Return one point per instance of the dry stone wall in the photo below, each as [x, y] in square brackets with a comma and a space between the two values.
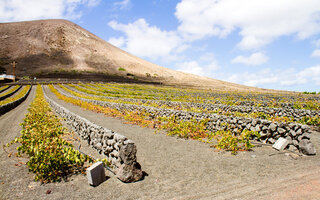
[262, 99]
[9, 106]
[297, 134]
[297, 114]
[119, 150]
[4, 89]
[10, 94]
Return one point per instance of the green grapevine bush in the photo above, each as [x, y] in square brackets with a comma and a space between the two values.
[50, 157]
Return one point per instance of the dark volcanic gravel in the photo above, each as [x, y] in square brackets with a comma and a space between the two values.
[176, 168]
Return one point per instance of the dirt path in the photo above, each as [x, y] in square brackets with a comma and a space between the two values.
[11, 176]
[178, 169]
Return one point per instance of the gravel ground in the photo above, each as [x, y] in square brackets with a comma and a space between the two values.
[176, 168]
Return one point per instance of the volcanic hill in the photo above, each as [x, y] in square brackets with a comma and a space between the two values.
[56, 46]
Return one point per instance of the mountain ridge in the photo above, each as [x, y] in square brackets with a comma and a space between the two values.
[43, 46]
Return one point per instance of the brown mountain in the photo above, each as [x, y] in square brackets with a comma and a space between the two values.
[58, 45]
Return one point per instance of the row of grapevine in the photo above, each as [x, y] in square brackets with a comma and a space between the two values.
[253, 99]
[119, 150]
[186, 123]
[12, 102]
[4, 88]
[50, 156]
[310, 117]
[10, 92]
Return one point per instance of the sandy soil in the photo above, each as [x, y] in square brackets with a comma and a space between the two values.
[176, 168]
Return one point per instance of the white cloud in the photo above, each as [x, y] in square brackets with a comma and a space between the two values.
[317, 43]
[22, 10]
[206, 68]
[311, 72]
[290, 77]
[253, 60]
[258, 22]
[118, 42]
[316, 53]
[212, 66]
[92, 3]
[182, 48]
[285, 77]
[148, 41]
[259, 78]
[124, 4]
[191, 67]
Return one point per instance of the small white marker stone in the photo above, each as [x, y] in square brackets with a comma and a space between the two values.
[280, 144]
[96, 174]
[253, 156]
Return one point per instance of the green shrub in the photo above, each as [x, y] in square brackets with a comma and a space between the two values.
[309, 92]
[314, 121]
[233, 142]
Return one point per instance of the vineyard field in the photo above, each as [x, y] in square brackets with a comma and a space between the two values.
[204, 115]
[212, 130]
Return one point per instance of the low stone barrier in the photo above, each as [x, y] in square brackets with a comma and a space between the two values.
[297, 114]
[262, 99]
[119, 150]
[4, 89]
[9, 106]
[10, 94]
[297, 134]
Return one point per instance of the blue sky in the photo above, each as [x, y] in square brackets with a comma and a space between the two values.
[265, 43]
